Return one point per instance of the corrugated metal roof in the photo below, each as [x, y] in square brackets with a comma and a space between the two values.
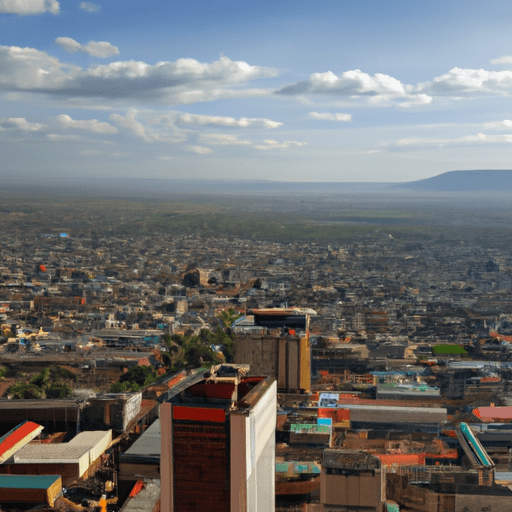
[27, 481]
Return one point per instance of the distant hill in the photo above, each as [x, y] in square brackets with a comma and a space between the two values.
[462, 181]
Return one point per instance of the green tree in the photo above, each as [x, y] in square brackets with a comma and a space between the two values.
[140, 375]
[228, 317]
[220, 337]
[193, 351]
[58, 391]
[136, 378]
[24, 390]
[42, 379]
[124, 387]
[50, 382]
[226, 335]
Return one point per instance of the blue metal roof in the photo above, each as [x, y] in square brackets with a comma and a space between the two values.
[27, 481]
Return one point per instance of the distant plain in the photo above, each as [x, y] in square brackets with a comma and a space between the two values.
[258, 210]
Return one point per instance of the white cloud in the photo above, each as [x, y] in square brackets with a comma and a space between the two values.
[184, 118]
[200, 150]
[131, 124]
[162, 128]
[181, 82]
[383, 89]
[498, 125]
[243, 122]
[68, 44]
[20, 124]
[349, 83]
[92, 125]
[416, 100]
[28, 7]
[222, 139]
[506, 59]
[187, 80]
[101, 49]
[274, 144]
[27, 69]
[89, 7]
[460, 81]
[478, 139]
[357, 86]
[328, 116]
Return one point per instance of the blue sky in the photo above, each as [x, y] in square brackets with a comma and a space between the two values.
[289, 91]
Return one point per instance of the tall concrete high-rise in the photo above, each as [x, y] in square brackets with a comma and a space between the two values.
[275, 342]
[218, 444]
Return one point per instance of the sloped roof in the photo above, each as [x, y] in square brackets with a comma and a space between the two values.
[17, 438]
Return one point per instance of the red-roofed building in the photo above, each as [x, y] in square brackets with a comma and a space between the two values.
[17, 438]
[494, 414]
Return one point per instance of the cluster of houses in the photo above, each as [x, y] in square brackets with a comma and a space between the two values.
[401, 336]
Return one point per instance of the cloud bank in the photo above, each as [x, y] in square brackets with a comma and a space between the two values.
[183, 81]
[188, 81]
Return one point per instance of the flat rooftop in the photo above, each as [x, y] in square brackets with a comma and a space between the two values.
[27, 481]
[349, 459]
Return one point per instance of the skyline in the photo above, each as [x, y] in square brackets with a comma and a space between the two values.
[335, 91]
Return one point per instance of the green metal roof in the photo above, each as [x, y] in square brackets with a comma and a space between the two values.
[27, 481]
[448, 349]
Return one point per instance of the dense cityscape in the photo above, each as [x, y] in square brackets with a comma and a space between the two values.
[374, 370]
[255, 256]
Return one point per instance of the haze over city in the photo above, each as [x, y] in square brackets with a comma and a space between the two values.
[287, 91]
